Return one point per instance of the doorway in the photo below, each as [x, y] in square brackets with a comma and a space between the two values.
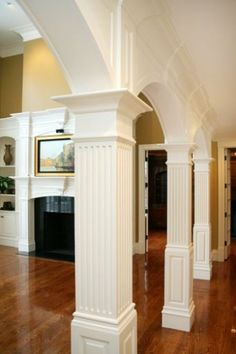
[233, 192]
[227, 198]
[157, 191]
[152, 191]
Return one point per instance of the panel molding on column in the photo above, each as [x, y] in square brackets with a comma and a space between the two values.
[202, 226]
[178, 310]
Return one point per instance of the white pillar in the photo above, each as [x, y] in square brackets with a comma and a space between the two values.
[105, 318]
[26, 241]
[178, 310]
[202, 227]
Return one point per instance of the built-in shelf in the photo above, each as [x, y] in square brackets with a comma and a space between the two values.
[4, 211]
[6, 195]
[7, 166]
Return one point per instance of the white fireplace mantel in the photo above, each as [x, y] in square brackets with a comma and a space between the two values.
[28, 186]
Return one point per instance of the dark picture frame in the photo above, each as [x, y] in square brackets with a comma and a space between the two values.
[54, 155]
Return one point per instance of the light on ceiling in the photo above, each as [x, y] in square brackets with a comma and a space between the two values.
[10, 4]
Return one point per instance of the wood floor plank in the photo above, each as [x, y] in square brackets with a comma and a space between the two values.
[37, 302]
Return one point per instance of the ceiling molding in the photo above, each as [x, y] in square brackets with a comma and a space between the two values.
[11, 51]
[27, 32]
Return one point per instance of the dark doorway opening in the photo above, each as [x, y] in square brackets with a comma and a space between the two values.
[157, 192]
[233, 191]
[54, 227]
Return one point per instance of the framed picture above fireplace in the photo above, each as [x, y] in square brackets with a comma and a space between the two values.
[54, 155]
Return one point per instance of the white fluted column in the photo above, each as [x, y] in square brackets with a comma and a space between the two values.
[105, 318]
[202, 227]
[178, 310]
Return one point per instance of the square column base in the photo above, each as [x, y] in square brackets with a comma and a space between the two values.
[91, 335]
[202, 266]
[202, 273]
[25, 247]
[181, 320]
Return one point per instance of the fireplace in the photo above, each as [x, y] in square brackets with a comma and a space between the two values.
[54, 227]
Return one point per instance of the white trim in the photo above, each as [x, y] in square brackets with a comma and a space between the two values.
[27, 32]
[139, 248]
[6, 241]
[11, 51]
[203, 273]
[25, 247]
[178, 319]
[141, 183]
[221, 190]
[215, 255]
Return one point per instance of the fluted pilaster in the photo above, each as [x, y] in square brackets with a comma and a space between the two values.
[202, 226]
[178, 311]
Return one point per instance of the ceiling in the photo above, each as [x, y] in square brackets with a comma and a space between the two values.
[11, 17]
[207, 28]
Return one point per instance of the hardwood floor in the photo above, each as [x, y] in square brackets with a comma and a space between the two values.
[215, 301]
[36, 303]
[37, 300]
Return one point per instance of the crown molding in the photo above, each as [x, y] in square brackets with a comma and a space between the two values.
[11, 51]
[27, 32]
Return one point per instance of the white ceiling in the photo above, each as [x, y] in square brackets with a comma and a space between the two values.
[11, 16]
[208, 30]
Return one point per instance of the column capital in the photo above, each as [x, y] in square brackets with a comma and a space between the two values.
[100, 101]
[179, 153]
[104, 114]
[202, 164]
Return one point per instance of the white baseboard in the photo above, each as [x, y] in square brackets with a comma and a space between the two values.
[26, 247]
[203, 273]
[6, 241]
[139, 248]
[178, 319]
[217, 255]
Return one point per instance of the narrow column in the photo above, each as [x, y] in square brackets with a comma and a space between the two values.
[105, 318]
[24, 207]
[202, 227]
[178, 311]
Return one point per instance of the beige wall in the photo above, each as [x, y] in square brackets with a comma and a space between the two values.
[214, 196]
[148, 128]
[42, 77]
[147, 131]
[11, 85]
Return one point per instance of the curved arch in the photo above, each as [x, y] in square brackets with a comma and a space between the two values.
[170, 111]
[147, 80]
[73, 45]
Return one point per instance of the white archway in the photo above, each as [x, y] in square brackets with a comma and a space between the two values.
[72, 43]
[170, 111]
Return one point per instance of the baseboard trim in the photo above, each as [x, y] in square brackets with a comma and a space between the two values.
[214, 255]
[139, 248]
[179, 319]
[218, 255]
[203, 273]
[26, 247]
[5, 241]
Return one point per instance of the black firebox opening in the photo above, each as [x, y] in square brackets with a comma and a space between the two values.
[54, 227]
